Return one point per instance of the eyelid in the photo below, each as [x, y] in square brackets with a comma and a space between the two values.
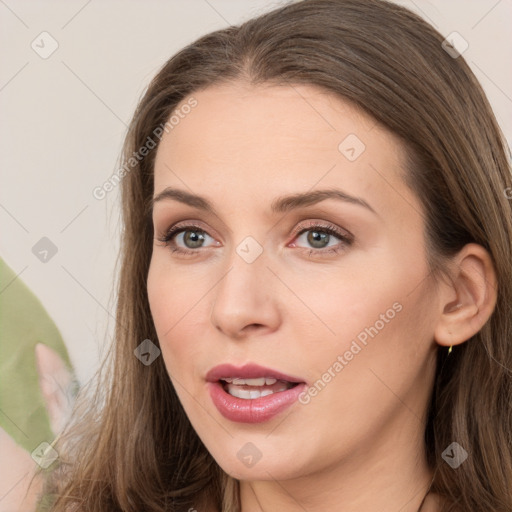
[312, 223]
[183, 225]
[317, 223]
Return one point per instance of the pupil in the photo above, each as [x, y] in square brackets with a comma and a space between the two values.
[194, 238]
[315, 237]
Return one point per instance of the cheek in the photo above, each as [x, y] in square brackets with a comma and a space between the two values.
[340, 302]
[377, 315]
[382, 338]
[361, 325]
[173, 293]
[177, 302]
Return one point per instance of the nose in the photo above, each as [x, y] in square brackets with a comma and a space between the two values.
[245, 300]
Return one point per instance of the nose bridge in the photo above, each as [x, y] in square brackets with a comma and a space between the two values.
[245, 295]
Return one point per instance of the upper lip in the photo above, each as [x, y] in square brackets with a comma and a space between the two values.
[247, 371]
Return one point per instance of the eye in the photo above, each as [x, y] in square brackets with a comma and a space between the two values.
[323, 238]
[185, 239]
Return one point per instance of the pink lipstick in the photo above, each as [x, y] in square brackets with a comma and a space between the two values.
[252, 393]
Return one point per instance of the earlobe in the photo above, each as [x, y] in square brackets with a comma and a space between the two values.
[469, 300]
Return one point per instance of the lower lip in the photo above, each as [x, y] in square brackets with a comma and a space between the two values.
[255, 410]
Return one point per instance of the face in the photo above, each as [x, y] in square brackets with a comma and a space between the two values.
[328, 291]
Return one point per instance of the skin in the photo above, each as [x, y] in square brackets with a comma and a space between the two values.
[18, 490]
[20, 484]
[358, 444]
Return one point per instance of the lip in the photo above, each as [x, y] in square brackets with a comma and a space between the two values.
[256, 410]
[247, 371]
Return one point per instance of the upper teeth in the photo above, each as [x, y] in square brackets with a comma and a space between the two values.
[260, 381]
[252, 393]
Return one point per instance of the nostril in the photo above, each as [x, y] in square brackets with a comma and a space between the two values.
[252, 327]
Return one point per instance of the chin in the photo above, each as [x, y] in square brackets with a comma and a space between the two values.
[268, 462]
[260, 472]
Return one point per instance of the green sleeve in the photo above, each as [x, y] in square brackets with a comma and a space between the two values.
[23, 323]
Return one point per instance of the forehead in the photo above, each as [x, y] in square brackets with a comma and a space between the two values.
[251, 139]
[241, 115]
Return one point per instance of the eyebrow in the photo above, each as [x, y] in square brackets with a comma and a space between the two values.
[281, 204]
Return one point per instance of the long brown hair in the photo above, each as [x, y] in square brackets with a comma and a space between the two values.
[130, 446]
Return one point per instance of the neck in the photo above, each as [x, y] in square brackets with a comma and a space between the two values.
[388, 474]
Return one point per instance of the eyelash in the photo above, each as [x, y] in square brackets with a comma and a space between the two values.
[330, 229]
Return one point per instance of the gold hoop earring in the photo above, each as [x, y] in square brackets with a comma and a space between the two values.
[450, 349]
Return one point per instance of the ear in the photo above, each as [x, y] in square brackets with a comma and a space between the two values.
[55, 382]
[469, 299]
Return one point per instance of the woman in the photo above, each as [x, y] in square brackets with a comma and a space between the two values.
[314, 298]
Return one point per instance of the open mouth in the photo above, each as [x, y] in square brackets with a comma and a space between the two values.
[249, 389]
[252, 393]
